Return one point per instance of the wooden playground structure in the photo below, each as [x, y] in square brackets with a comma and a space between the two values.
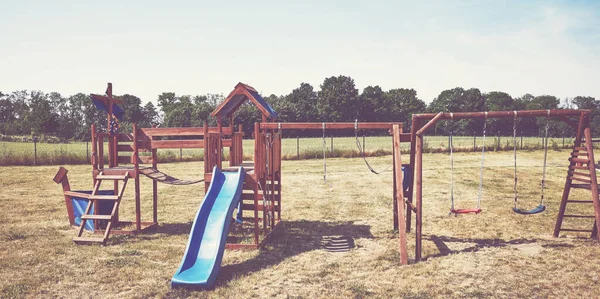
[261, 197]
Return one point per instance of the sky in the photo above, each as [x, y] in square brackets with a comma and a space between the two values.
[195, 47]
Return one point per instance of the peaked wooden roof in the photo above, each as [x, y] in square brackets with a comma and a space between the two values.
[240, 94]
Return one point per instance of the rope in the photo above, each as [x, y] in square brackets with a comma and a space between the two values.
[545, 157]
[324, 157]
[362, 153]
[451, 146]
[482, 162]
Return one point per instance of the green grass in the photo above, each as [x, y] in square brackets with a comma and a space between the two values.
[494, 254]
[22, 153]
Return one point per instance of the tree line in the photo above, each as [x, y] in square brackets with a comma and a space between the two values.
[337, 100]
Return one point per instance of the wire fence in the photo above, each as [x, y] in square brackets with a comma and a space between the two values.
[36, 153]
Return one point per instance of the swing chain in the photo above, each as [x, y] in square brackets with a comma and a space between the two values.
[543, 183]
[515, 157]
[324, 156]
[482, 163]
[362, 153]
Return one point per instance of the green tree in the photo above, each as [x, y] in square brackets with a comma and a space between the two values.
[338, 99]
[500, 101]
[459, 100]
[400, 104]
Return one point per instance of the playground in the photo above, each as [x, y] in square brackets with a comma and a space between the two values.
[311, 228]
[495, 253]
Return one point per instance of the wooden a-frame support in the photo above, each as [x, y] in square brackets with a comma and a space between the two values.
[419, 128]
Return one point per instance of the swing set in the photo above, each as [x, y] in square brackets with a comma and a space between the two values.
[581, 171]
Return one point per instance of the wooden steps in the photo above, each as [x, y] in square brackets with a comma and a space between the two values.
[93, 200]
[582, 169]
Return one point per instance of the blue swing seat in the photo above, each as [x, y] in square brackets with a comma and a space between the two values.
[535, 210]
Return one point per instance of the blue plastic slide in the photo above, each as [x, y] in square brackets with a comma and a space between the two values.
[202, 258]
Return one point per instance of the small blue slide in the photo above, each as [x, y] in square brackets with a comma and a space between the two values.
[202, 258]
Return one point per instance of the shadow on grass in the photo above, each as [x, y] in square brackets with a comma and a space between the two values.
[174, 228]
[290, 239]
[440, 243]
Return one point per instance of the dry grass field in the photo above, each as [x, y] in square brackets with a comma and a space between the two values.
[494, 254]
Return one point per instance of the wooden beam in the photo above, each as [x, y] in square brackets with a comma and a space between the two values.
[399, 196]
[329, 125]
[507, 114]
[430, 123]
[165, 144]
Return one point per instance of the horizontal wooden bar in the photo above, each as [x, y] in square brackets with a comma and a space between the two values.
[579, 173]
[250, 207]
[329, 125]
[76, 194]
[506, 114]
[580, 201]
[183, 131]
[579, 160]
[171, 144]
[579, 179]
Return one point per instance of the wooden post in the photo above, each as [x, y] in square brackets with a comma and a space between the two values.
[419, 195]
[414, 127]
[136, 168]
[34, 150]
[154, 186]
[399, 194]
[298, 147]
[61, 177]
[593, 179]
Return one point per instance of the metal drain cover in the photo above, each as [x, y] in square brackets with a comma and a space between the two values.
[337, 243]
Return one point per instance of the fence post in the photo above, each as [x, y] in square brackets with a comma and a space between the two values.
[498, 147]
[474, 141]
[563, 141]
[180, 154]
[332, 143]
[35, 150]
[298, 147]
[521, 139]
[87, 151]
[363, 143]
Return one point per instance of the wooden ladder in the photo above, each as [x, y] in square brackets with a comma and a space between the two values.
[94, 197]
[581, 175]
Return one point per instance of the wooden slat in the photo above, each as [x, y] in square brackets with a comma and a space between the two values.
[227, 142]
[250, 196]
[579, 160]
[579, 179]
[111, 177]
[579, 201]
[96, 217]
[192, 131]
[581, 186]
[192, 143]
[76, 194]
[579, 154]
[579, 173]
[104, 197]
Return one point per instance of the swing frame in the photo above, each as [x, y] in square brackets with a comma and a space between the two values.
[421, 123]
